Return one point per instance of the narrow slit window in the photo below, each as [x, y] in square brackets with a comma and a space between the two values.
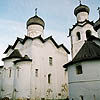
[9, 72]
[36, 72]
[18, 72]
[79, 69]
[78, 36]
[49, 78]
[50, 60]
[94, 97]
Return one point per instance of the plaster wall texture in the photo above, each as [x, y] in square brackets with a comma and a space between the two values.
[9, 52]
[82, 16]
[86, 84]
[35, 30]
[7, 85]
[40, 55]
[22, 81]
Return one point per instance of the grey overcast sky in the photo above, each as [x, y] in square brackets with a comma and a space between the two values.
[57, 14]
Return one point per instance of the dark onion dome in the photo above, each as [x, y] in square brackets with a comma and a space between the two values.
[81, 8]
[97, 25]
[35, 20]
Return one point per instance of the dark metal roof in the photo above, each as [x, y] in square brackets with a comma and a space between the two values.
[81, 8]
[43, 41]
[89, 51]
[9, 47]
[25, 58]
[1, 66]
[91, 38]
[12, 47]
[97, 24]
[35, 20]
[78, 24]
[14, 54]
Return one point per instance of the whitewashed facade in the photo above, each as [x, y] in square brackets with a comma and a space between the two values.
[79, 31]
[33, 68]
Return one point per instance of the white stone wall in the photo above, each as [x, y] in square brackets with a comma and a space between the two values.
[86, 84]
[35, 30]
[41, 53]
[7, 85]
[82, 16]
[23, 80]
[77, 44]
[27, 85]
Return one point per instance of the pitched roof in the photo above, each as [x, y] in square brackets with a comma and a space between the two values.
[9, 47]
[78, 24]
[89, 51]
[14, 54]
[91, 38]
[12, 47]
[25, 58]
[38, 37]
[1, 66]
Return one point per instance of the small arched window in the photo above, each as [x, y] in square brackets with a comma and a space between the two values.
[88, 33]
[78, 36]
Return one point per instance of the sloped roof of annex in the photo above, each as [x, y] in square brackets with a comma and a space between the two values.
[89, 51]
[25, 58]
[14, 54]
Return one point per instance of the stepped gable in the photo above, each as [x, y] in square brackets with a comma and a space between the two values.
[22, 41]
[89, 51]
[79, 24]
[12, 47]
[9, 47]
[14, 54]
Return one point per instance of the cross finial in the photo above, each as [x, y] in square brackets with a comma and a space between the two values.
[99, 11]
[80, 2]
[35, 11]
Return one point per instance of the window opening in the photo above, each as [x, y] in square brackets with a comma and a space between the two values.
[50, 60]
[81, 97]
[79, 69]
[88, 33]
[94, 97]
[49, 78]
[9, 72]
[78, 36]
[36, 72]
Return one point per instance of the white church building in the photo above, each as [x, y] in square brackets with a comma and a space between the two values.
[84, 69]
[33, 66]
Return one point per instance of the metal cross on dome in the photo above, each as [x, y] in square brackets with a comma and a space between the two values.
[99, 11]
[80, 1]
[35, 11]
